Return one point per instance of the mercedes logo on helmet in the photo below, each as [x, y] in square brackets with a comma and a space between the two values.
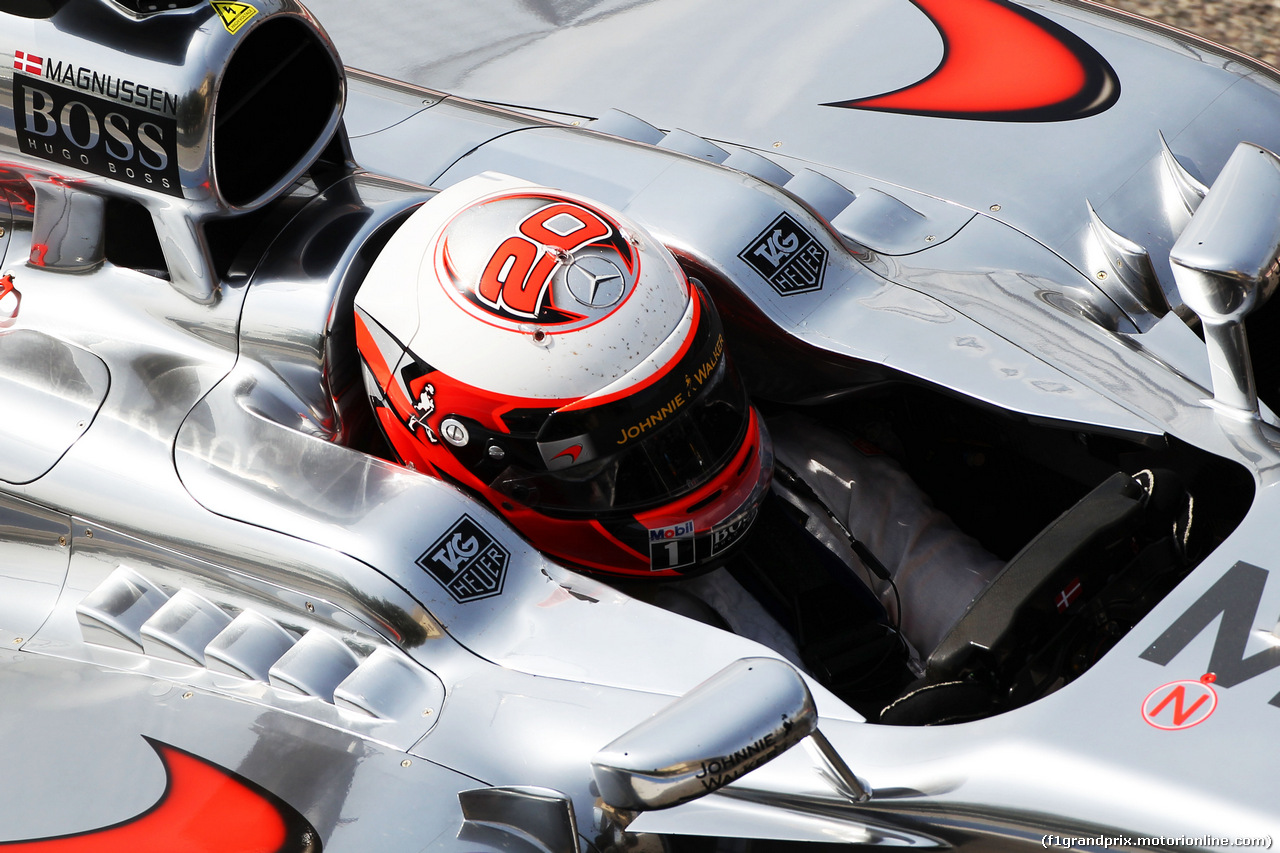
[595, 282]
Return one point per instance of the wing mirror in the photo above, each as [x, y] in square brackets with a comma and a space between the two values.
[743, 716]
[1227, 263]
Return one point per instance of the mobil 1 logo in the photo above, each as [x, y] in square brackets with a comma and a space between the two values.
[678, 546]
[672, 547]
[789, 257]
[74, 128]
[468, 562]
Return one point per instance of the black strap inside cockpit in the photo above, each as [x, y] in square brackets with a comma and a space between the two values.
[845, 637]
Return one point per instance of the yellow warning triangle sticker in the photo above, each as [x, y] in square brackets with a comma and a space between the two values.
[233, 15]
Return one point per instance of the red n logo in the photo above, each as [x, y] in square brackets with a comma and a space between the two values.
[1179, 705]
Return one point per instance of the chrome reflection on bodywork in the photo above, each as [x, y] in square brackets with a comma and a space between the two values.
[69, 228]
[520, 813]
[870, 218]
[248, 647]
[210, 635]
[114, 613]
[183, 627]
[1227, 263]
[1189, 189]
[34, 554]
[627, 126]
[888, 225]
[52, 392]
[1124, 273]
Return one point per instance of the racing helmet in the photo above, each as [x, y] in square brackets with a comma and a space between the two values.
[538, 350]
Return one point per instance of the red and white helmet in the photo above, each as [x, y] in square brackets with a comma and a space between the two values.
[542, 352]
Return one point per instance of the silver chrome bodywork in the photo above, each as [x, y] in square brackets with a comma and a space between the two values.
[198, 546]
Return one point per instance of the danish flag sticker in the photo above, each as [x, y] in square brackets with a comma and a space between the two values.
[1069, 593]
[28, 62]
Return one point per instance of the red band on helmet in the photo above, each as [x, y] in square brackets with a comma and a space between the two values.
[378, 365]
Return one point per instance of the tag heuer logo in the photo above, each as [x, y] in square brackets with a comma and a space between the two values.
[788, 257]
[467, 561]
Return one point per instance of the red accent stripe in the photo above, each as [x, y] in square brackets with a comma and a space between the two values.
[1029, 68]
[641, 564]
[1002, 61]
[373, 357]
[204, 809]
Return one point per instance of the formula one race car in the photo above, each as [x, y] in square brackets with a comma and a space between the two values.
[1024, 248]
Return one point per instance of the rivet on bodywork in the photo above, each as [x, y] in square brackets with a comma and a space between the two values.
[311, 608]
[1102, 275]
[995, 208]
[187, 695]
[405, 763]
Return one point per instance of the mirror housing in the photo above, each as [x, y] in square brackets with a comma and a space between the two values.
[1227, 262]
[748, 713]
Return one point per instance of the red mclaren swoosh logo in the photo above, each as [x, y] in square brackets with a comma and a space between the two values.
[1001, 62]
[572, 452]
[204, 809]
